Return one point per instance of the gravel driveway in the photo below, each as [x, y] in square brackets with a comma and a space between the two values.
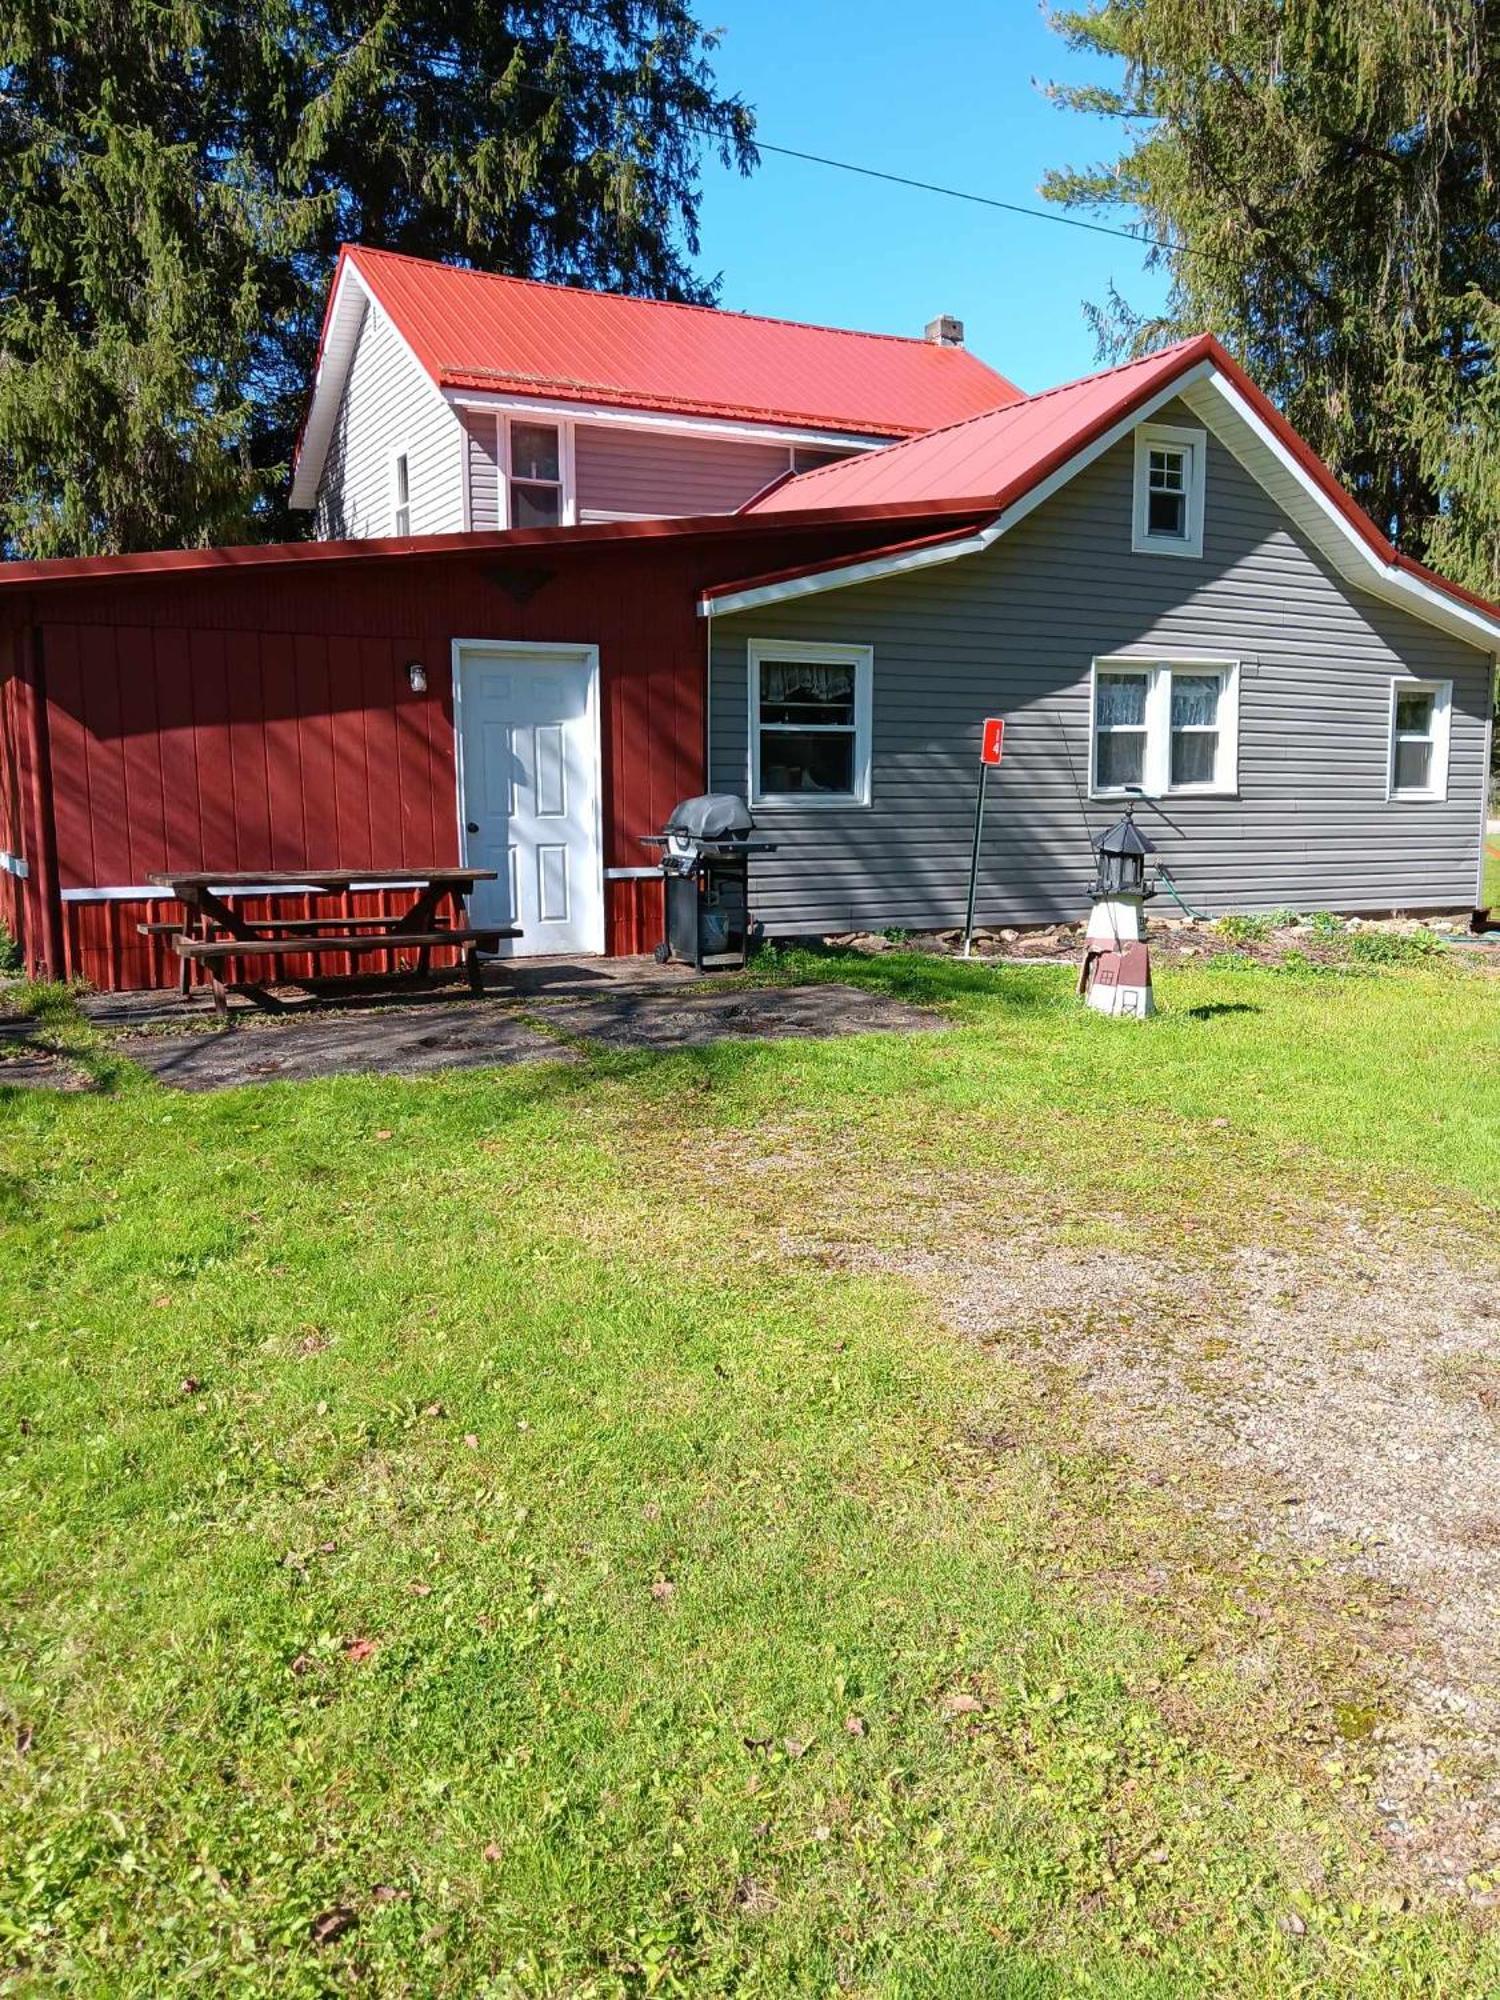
[1348, 1403]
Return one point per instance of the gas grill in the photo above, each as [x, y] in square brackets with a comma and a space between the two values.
[706, 847]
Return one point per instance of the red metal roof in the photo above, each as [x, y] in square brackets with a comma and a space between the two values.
[990, 459]
[473, 330]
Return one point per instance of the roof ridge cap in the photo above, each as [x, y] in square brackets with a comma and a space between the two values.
[678, 305]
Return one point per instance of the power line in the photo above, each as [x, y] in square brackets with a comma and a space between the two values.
[907, 181]
[967, 194]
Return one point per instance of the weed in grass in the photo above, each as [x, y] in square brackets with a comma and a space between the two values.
[1393, 947]
[1245, 928]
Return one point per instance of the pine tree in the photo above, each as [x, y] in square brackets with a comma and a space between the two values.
[178, 175]
[1324, 174]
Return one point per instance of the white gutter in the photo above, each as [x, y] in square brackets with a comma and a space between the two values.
[516, 402]
[840, 579]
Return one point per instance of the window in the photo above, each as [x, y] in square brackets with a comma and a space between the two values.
[809, 723]
[1169, 473]
[1165, 726]
[535, 472]
[400, 494]
[1120, 730]
[1418, 766]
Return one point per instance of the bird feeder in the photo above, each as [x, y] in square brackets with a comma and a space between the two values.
[1115, 976]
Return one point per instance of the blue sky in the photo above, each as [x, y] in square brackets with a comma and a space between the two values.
[947, 93]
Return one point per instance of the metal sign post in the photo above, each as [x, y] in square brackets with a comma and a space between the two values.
[991, 744]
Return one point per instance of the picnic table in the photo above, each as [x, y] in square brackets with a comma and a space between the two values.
[216, 931]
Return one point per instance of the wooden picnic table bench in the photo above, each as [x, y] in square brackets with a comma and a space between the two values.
[216, 931]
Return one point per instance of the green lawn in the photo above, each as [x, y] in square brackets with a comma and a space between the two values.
[451, 1545]
[1490, 894]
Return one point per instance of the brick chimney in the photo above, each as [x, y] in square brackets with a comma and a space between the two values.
[945, 331]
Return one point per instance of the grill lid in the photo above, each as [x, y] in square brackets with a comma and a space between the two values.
[712, 816]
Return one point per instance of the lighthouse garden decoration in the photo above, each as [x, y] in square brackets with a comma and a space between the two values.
[1115, 976]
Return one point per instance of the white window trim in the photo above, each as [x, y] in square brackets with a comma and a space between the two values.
[401, 451]
[1157, 764]
[815, 652]
[1442, 718]
[567, 464]
[1176, 437]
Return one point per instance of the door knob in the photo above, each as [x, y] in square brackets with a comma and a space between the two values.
[472, 825]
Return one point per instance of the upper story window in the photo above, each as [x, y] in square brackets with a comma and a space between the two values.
[1418, 767]
[534, 470]
[400, 494]
[1165, 726]
[809, 723]
[1169, 478]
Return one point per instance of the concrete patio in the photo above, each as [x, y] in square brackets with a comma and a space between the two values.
[535, 1010]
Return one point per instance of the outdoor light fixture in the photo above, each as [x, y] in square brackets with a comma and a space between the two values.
[416, 674]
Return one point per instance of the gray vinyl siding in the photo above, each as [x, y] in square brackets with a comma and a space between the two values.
[482, 468]
[1014, 632]
[625, 471]
[389, 406]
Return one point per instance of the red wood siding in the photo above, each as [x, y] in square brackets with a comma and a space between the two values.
[14, 828]
[102, 942]
[244, 720]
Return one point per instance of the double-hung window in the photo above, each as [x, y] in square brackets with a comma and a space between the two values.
[1169, 480]
[1165, 726]
[1418, 767]
[534, 468]
[809, 723]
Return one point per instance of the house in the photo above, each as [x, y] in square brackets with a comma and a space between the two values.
[1147, 572]
[1170, 597]
[447, 399]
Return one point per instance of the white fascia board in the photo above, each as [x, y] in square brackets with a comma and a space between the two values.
[840, 579]
[559, 408]
[1070, 468]
[352, 299]
[1331, 529]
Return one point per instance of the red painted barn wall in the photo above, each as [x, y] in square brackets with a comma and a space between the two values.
[14, 821]
[263, 718]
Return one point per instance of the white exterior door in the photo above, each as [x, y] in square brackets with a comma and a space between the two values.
[528, 792]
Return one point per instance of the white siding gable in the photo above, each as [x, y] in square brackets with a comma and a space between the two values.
[389, 405]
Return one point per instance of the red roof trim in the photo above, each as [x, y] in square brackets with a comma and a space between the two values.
[879, 553]
[271, 555]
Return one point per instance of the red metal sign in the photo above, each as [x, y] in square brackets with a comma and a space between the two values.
[993, 738]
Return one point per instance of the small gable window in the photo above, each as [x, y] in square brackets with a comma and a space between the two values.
[1169, 481]
[1419, 739]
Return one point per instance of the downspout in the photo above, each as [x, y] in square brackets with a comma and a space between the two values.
[708, 704]
[47, 891]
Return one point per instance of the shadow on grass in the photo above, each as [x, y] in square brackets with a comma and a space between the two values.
[1211, 1008]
